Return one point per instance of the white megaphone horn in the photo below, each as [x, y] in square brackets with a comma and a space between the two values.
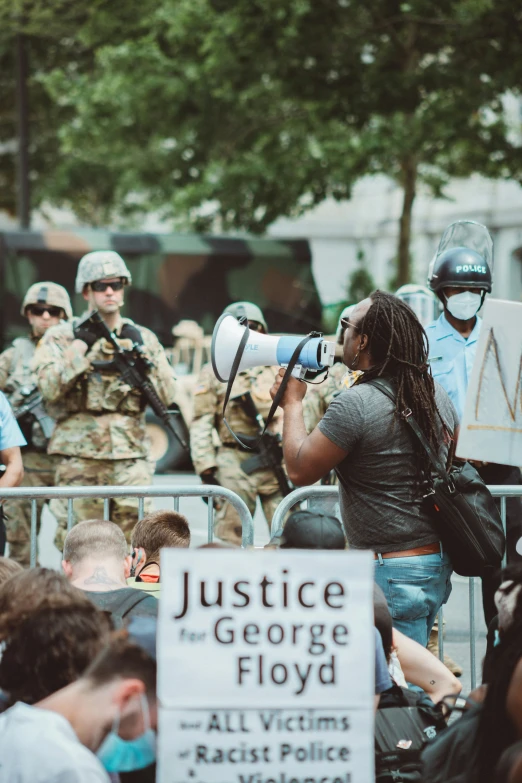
[265, 350]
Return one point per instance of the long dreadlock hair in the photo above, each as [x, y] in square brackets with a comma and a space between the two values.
[398, 346]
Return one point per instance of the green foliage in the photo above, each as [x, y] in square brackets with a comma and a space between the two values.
[228, 114]
[360, 285]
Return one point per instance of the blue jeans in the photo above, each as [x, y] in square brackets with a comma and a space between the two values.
[415, 589]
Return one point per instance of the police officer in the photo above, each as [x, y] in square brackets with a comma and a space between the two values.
[100, 433]
[220, 462]
[461, 276]
[45, 304]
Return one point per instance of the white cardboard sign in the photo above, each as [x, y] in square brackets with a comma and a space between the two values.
[266, 667]
[491, 427]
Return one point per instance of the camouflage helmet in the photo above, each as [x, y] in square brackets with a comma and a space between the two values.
[247, 310]
[50, 294]
[98, 265]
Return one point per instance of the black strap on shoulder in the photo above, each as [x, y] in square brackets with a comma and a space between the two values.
[386, 388]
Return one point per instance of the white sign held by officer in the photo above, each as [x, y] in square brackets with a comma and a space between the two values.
[491, 428]
[266, 667]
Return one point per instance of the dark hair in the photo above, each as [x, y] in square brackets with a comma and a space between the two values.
[398, 346]
[24, 590]
[50, 644]
[161, 529]
[123, 658]
[8, 568]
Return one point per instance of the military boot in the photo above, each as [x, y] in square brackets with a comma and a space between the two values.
[433, 647]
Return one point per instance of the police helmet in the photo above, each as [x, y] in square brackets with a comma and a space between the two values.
[247, 310]
[98, 265]
[49, 294]
[460, 267]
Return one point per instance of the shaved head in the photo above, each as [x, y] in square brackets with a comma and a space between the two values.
[96, 539]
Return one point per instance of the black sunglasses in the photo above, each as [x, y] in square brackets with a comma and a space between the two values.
[345, 323]
[99, 286]
[54, 312]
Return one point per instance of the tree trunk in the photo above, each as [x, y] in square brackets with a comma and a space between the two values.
[409, 180]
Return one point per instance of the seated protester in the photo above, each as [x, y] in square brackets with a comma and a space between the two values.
[48, 642]
[111, 711]
[383, 680]
[95, 559]
[506, 601]
[8, 567]
[150, 535]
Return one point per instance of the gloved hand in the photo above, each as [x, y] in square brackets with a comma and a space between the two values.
[85, 335]
[209, 477]
[132, 333]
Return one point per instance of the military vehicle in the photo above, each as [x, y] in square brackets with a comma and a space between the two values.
[175, 277]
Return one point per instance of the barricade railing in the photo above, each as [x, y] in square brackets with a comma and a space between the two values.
[324, 494]
[209, 491]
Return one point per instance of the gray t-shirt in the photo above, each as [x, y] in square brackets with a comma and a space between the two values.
[379, 496]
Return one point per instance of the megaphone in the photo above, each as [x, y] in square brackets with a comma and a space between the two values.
[265, 350]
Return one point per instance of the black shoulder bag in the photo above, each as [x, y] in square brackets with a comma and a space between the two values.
[461, 507]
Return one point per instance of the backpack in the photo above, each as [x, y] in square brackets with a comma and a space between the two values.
[405, 722]
[119, 606]
[452, 757]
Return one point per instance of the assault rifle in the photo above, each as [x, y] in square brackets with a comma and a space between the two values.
[33, 407]
[133, 366]
[268, 451]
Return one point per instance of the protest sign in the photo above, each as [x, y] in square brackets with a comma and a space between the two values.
[491, 428]
[266, 667]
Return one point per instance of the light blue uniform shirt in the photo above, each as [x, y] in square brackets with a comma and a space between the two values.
[451, 358]
[10, 432]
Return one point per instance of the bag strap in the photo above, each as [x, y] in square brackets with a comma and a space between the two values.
[386, 388]
[280, 391]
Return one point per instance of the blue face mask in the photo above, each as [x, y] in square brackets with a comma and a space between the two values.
[119, 755]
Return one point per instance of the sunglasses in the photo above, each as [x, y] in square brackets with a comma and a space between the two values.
[100, 286]
[345, 323]
[54, 312]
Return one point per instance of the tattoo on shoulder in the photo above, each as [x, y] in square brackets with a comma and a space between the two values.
[100, 577]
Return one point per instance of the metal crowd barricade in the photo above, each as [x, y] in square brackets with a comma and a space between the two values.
[318, 494]
[175, 492]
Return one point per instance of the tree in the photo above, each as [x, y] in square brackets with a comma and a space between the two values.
[231, 113]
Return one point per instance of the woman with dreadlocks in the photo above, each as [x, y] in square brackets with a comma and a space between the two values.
[381, 469]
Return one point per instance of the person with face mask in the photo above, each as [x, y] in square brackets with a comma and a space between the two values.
[100, 433]
[461, 275]
[45, 305]
[104, 722]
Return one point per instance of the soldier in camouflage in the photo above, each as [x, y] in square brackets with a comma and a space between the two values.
[220, 463]
[100, 432]
[44, 305]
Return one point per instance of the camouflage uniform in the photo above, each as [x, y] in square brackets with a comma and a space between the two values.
[228, 456]
[16, 381]
[39, 467]
[100, 421]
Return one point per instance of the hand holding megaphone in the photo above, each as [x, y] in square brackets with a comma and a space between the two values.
[232, 339]
[294, 392]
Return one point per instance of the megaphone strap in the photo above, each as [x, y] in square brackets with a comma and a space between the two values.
[280, 391]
